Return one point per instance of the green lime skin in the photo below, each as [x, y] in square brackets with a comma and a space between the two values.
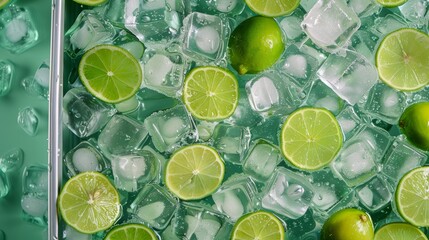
[348, 224]
[255, 45]
[414, 124]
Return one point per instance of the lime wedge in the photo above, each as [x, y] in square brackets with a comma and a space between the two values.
[3, 3]
[110, 73]
[132, 231]
[311, 138]
[90, 2]
[89, 203]
[210, 93]
[391, 3]
[399, 231]
[272, 8]
[194, 172]
[402, 59]
[412, 197]
[259, 225]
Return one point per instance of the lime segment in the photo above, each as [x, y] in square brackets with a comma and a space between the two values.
[90, 2]
[412, 197]
[402, 59]
[258, 225]
[391, 3]
[89, 203]
[131, 232]
[194, 172]
[110, 73]
[271, 8]
[311, 138]
[399, 231]
[210, 93]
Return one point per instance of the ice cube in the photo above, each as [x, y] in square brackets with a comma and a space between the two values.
[11, 160]
[7, 70]
[28, 120]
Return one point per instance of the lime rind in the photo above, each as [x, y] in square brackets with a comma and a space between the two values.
[90, 2]
[311, 138]
[194, 172]
[411, 197]
[89, 202]
[401, 59]
[4, 3]
[391, 3]
[258, 225]
[270, 8]
[210, 93]
[399, 231]
[110, 73]
[131, 231]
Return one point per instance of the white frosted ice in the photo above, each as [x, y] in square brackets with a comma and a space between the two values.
[328, 102]
[263, 94]
[296, 65]
[16, 30]
[85, 160]
[347, 125]
[172, 127]
[357, 160]
[366, 196]
[42, 76]
[225, 5]
[229, 203]
[131, 167]
[207, 39]
[324, 197]
[202, 229]
[291, 26]
[34, 206]
[156, 69]
[81, 38]
[72, 234]
[151, 211]
[389, 98]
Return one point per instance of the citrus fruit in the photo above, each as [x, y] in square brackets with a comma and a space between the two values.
[311, 138]
[89, 203]
[399, 231]
[348, 224]
[210, 93]
[271, 8]
[131, 231]
[412, 197]
[3, 3]
[391, 3]
[259, 225]
[402, 58]
[110, 73]
[255, 45]
[414, 123]
[90, 2]
[194, 171]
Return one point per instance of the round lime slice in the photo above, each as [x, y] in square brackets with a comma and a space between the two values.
[110, 73]
[402, 59]
[131, 231]
[90, 2]
[210, 93]
[259, 225]
[391, 3]
[412, 197]
[3, 3]
[89, 203]
[311, 138]
[271, 8]
[194, 172]
[399, 231]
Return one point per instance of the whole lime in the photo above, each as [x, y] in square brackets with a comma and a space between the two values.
[255, 45]
[414, 123]
[348, 224]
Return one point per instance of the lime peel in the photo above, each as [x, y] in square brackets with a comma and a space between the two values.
[260, 225]
[131, 231]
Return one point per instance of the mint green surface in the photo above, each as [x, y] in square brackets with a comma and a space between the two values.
[11, 135]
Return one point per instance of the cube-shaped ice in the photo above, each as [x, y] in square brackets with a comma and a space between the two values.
[85, 157]
[364, 8]
[84, 114]
[121, 136]
[322, 96]
[375, 194]
[170, 129]
[261, 160]
[154, 206]
[414, 11]
[244, 114]
[205, 37]
[35, 180]
[7, 71]
[290, 25]
[349, 74]
[269, 93]
[350, 122]
[387, 24]
[330, 24]
[235, 196]
[365, 42]
[231, 141]
[287, 193]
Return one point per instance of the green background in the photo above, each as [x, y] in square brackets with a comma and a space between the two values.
[11, 135]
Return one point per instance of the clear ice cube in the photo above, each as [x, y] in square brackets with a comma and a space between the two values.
[375, 194]
[35, 209]
[85, 157]
[290, 25]
[35, 180]
[7, 71]
[38, 85]
[414, 11]
[11, 160]
[28, 120]
[387, 24]
[84, 114]
[322, 96]
[350, 121]
[364, 8]
[231, 142]
[4, 184]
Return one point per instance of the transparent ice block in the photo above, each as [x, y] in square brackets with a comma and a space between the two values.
[375, 194]
[7, 71]
[231, 142]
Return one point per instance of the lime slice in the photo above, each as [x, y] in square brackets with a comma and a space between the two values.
[258, 225]
[391, 3]
[3, 3]
[272, 8]
[194, 172]
[399, 231]
[131, 231]
[412, 197]
[402, 59]
[310, 138]
[210, 93]
[90, 2]
[110, 73]
[89, 203]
